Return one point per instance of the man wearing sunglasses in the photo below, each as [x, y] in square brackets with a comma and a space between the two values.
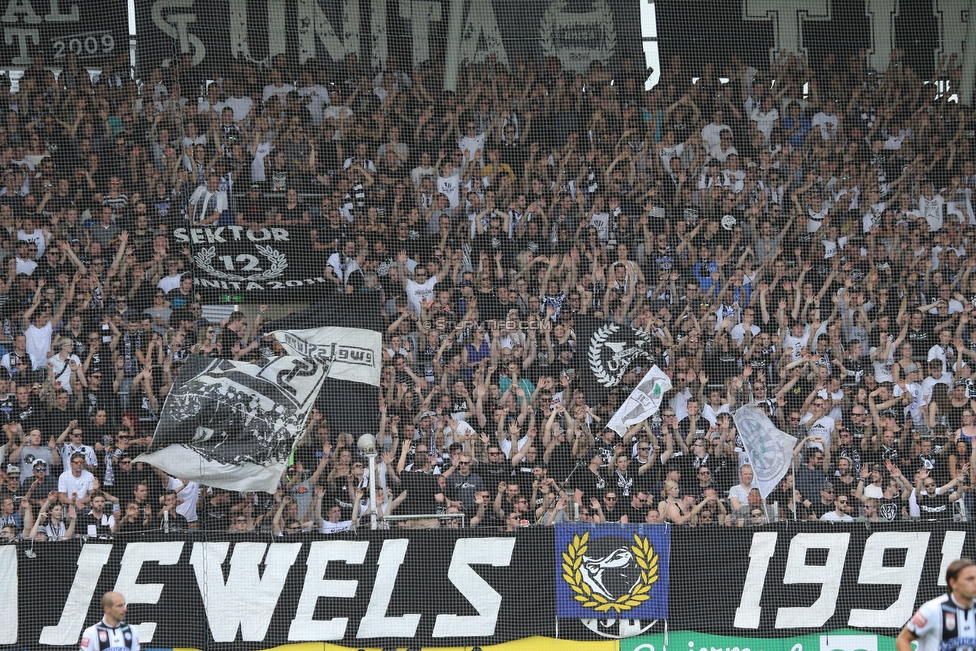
[935, 502]
[76, 483]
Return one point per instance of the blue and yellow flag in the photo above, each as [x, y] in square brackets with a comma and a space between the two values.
[611, 571]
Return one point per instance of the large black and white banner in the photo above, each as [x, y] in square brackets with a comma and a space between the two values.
[757, 30]
[45, 32]
[464, 587]
[233, 424]
[270, 265]
[254, 31]
[350, 393]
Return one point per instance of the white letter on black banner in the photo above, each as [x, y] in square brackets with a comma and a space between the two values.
[167, 553]
[304, 627]
[90, 563]
[787, 17]
[8, 596]
[420, 14]
[874, 572]
[375, 623]
[951, 550]
[829, 575]
[247, 600]
[496, 552]
[763, 547]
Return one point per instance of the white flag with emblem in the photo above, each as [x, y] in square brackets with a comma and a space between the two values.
[643, 402]
[770, 450]
[354, 353]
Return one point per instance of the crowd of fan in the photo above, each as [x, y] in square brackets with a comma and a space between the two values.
[801, 237]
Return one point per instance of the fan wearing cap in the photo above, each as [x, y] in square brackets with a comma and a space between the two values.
[11, 480]
[76, 483]
[40, 487]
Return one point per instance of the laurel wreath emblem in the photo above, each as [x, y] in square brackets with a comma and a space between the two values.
[278, 261]
[646, 559]
[595, 358]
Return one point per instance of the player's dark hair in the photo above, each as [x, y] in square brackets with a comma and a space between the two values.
[955, 569]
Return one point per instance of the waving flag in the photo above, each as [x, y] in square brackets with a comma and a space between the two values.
[643, 402]
[770, 450]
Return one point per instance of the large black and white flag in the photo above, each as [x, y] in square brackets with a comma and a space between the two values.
[233, 425]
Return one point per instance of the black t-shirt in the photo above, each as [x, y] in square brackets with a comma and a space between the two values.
[523, 475]
[634, 515]
[56, 421]
[561, 462]
[934, 507]
[422, 489]
[617, 513]
[889, 509]
[94, 527]
[493, 474]
[819, 508]
[30, 416]
[592, 485]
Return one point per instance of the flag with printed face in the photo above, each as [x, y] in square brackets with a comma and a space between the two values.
[770, 450]
[232, 424]
[643, 402]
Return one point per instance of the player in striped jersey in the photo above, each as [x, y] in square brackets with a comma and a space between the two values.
[946, 623]
[112, 633]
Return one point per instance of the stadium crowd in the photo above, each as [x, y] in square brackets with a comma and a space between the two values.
[800, 236]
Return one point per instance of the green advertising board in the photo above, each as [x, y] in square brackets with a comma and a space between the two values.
[844, 639]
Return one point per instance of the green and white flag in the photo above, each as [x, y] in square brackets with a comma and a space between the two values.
[643, 402]
[770, 450]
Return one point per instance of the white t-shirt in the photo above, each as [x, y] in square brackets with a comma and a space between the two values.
[824, 427]
[711, 133]
[451, 188]
[796, 343]
[169, 283]
[826, 123]
[831, 516]
[318, 98]
[335, 527]
[261, 152]
[417, 292]
[38, 343]
[667, 153]
[276, 91]
[62, 370]
[470, 146]
[69, 484]
[240, 105]
[189, 493]
[764, 121]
